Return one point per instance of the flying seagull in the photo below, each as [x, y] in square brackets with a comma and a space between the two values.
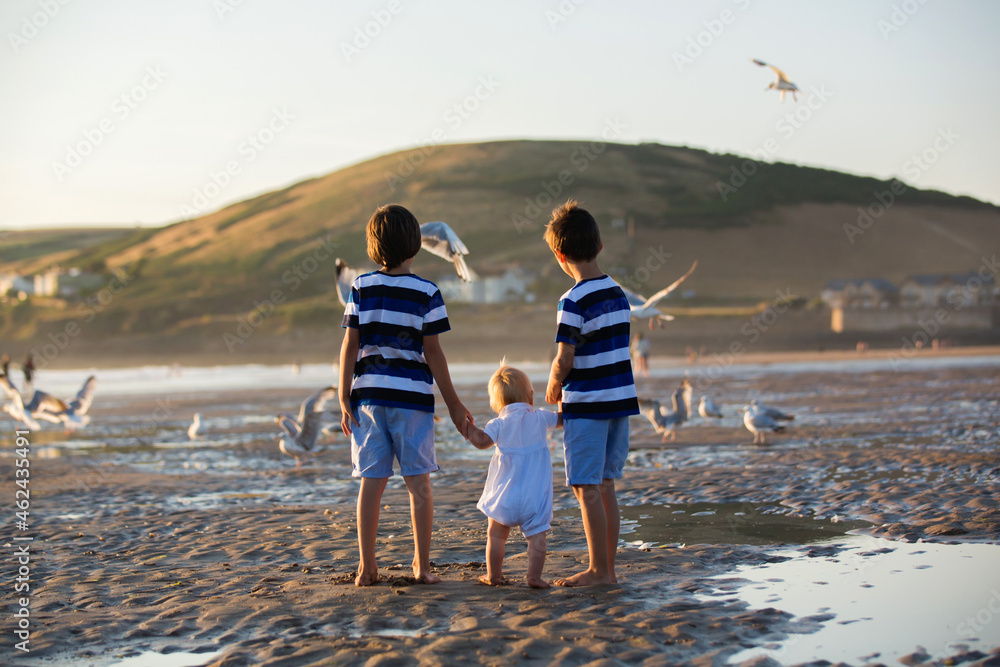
[439, 239]
[300, 434]
[758, 423]
[645, 309]
[665, 421]
[71, 415]
[782, 83]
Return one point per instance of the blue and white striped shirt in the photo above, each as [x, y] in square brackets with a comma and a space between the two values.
[392, 315]
[594, 317]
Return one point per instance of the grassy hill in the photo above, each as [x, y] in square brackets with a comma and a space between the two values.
[783, 229]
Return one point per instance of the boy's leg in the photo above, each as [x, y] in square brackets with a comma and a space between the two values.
[369, 502]
[422, 516]
[496, 543]
[610, 501]
[536, 561]
[595, 525]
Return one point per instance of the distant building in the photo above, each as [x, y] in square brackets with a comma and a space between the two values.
[860, 293]
[511, 285]
[966, 289]
[874, 304]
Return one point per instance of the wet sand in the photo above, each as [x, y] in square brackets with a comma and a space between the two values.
[144, 544]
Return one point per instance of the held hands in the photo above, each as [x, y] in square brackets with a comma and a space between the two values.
[461, 418]
[553, 392]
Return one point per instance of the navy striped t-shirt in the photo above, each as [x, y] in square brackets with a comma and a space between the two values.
[594, 317]
[392, 314]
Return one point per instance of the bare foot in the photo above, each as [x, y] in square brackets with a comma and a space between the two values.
[537, 583]
[426, 578]
[495, 581]
[366, 578]
[585, 578]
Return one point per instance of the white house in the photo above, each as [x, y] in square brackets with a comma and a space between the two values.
[512, 285]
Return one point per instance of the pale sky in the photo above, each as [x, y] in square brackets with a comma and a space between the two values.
[159, 95]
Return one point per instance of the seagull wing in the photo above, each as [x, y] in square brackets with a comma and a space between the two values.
[8, 389]
[84, 397]
[288, 424]
[635, 301]
[781, 75]
[345, 278]
[42, 404]
[310, 415]
[438, 238]
[665, 292]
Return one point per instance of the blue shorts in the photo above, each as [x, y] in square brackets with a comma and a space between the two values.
[595, 449]
[383, 433]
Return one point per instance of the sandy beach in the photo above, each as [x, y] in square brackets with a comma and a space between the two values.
[150, 550]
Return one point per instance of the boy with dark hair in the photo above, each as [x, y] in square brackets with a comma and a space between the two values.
[389, 361]
[592, 376]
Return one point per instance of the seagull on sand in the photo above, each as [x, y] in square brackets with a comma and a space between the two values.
[195, 425]
[768, 411]
[440, 239]
[71, 415]
[782, 83]
[666, 421]
[300, 434]
[645, 309]
[707, 408]
[758, 423]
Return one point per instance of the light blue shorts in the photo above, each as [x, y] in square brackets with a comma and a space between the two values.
[595, 449]
[383, 433]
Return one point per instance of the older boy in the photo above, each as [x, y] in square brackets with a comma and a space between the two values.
[592, 376]
[388, 362]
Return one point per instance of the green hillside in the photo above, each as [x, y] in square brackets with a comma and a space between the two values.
[783, 228]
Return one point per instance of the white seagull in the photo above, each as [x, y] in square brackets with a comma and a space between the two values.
[667, 422]
[195, 425]
[439, 239]
[300, 434]
[645, 309]
[758, 423]
[768, 411]
[345, 278]
[782, 83]
[707, 408]
[16, 409]
[72, 415]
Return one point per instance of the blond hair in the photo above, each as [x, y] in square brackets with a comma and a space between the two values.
[508, 385]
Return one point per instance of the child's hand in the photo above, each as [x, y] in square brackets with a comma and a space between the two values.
[461, 418]
[347, 418]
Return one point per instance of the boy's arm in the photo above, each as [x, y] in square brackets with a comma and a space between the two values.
[479, 437]
[436, 361]
[348, 358]
[561, 366]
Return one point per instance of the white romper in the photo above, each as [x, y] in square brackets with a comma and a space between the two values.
[519, 484]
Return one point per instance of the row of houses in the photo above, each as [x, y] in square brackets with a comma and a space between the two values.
[921, 291]
[45, 283]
